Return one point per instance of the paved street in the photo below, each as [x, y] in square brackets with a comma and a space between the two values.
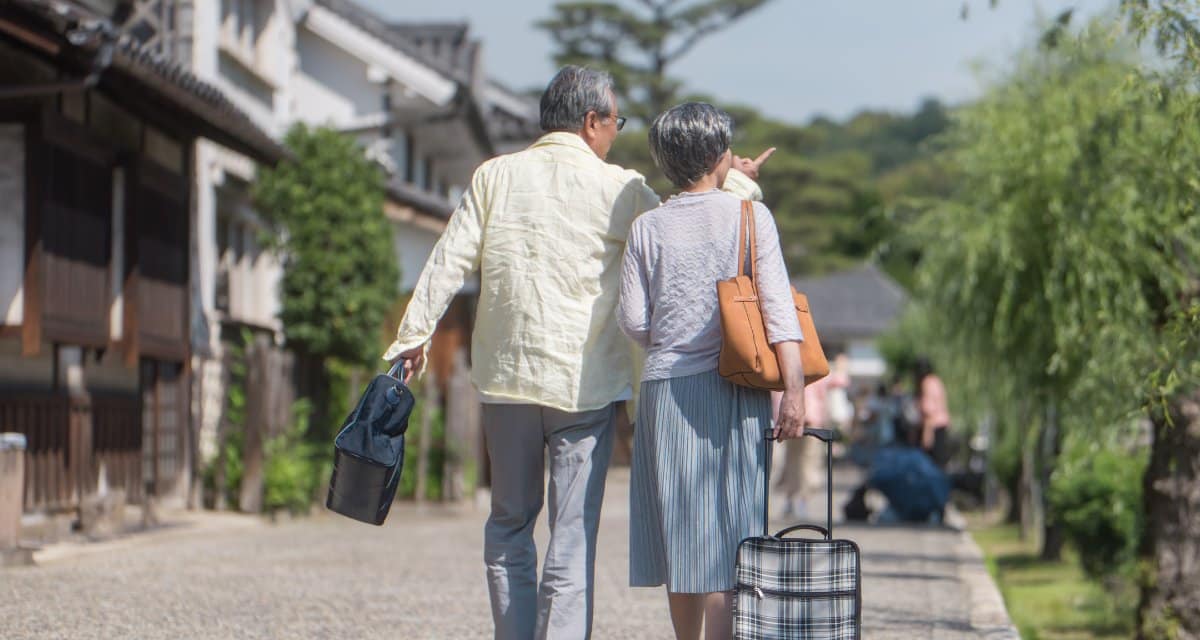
[421, 576]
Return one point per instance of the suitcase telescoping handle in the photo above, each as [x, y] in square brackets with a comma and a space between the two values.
[825, 435]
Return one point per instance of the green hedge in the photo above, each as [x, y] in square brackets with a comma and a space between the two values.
[1096, 496]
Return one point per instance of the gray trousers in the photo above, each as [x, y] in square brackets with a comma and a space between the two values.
[580, 446]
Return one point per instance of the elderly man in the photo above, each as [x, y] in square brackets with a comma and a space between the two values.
[545, 228]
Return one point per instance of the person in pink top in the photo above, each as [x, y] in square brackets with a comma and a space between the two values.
[935, 414]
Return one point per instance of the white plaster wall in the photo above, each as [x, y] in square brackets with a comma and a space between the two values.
[206, 245]
[206, 18]
[413, 246]
[211, 397]
[276, 53]
[316, 104]
[12, 223]
[865, 359]
[331, 85]
[260, 114]
[272, 61]
[268, 273]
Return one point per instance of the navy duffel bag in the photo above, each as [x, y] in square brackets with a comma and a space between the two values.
[368, 453]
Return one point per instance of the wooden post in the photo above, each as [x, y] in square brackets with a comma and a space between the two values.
[254, 467]
[429, 406]
[462, 428]
[12, 487]
[220, 487]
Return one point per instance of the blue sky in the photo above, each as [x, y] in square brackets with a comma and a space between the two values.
[793, 59]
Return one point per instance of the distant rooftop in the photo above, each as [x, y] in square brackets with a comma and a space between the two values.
[857, 303]
[448, 48]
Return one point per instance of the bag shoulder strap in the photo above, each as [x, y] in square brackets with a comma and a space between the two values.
[746, 227]
[741, 259]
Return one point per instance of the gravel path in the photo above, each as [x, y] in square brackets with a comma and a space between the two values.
[421, 576]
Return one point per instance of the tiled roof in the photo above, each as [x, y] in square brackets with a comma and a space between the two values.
[135, 68]
[230, 125]
[453, 55]
[857, 303]
[408, 194]
[377, 27]
[447, 43]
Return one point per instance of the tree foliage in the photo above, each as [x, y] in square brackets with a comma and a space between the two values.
[1096, 496]
[340, 270]
[638, 44]
[1060, 277]
[1072, 234]
[1173, 26]
[840, 191]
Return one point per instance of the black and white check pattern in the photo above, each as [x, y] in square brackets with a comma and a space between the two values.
[797, 589]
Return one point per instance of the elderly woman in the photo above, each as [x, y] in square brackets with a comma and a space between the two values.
[698, 450]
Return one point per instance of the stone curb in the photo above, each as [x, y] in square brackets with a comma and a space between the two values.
[988, 615]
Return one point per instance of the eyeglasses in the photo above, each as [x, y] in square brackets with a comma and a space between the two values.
[620, 119]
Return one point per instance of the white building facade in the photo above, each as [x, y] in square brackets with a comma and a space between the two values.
[413, 95]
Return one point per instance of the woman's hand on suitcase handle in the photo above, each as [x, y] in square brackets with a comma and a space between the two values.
[791, 415]
[790, 422]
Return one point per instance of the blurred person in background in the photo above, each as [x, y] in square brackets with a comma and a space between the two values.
[800, 474]
[841, 409]
[930, 395]
[880, 416]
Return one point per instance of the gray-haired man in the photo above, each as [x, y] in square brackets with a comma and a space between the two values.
[545, 228]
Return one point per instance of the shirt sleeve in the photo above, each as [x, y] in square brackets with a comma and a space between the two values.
[774, 289]
[740, 185]
[633, 306]
[636, 198]
[454, 258]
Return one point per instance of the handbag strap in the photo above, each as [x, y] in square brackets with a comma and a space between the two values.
[746, 227]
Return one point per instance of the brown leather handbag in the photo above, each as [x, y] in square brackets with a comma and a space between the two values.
[747, 359]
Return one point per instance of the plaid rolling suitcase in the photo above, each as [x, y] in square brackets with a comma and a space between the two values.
[798, 588]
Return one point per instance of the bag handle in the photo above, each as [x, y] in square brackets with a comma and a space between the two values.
[805, 527]
[825, 435]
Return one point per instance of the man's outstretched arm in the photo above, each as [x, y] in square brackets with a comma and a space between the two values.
[454, 258]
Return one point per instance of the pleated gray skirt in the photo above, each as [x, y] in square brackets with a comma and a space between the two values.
[696, 488]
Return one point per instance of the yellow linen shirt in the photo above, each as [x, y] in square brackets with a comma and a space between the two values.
[545, 228]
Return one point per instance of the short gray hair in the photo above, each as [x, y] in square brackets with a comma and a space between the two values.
[572, 93]
[687, 140]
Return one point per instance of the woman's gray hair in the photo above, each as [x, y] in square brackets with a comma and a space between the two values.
[687, 140]
[572, 93]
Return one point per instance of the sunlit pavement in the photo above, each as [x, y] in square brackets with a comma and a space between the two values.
[421, 576]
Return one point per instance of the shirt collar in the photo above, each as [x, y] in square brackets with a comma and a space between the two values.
[566, 139]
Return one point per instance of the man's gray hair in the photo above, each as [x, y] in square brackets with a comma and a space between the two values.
[687, 140]
[572, 93]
